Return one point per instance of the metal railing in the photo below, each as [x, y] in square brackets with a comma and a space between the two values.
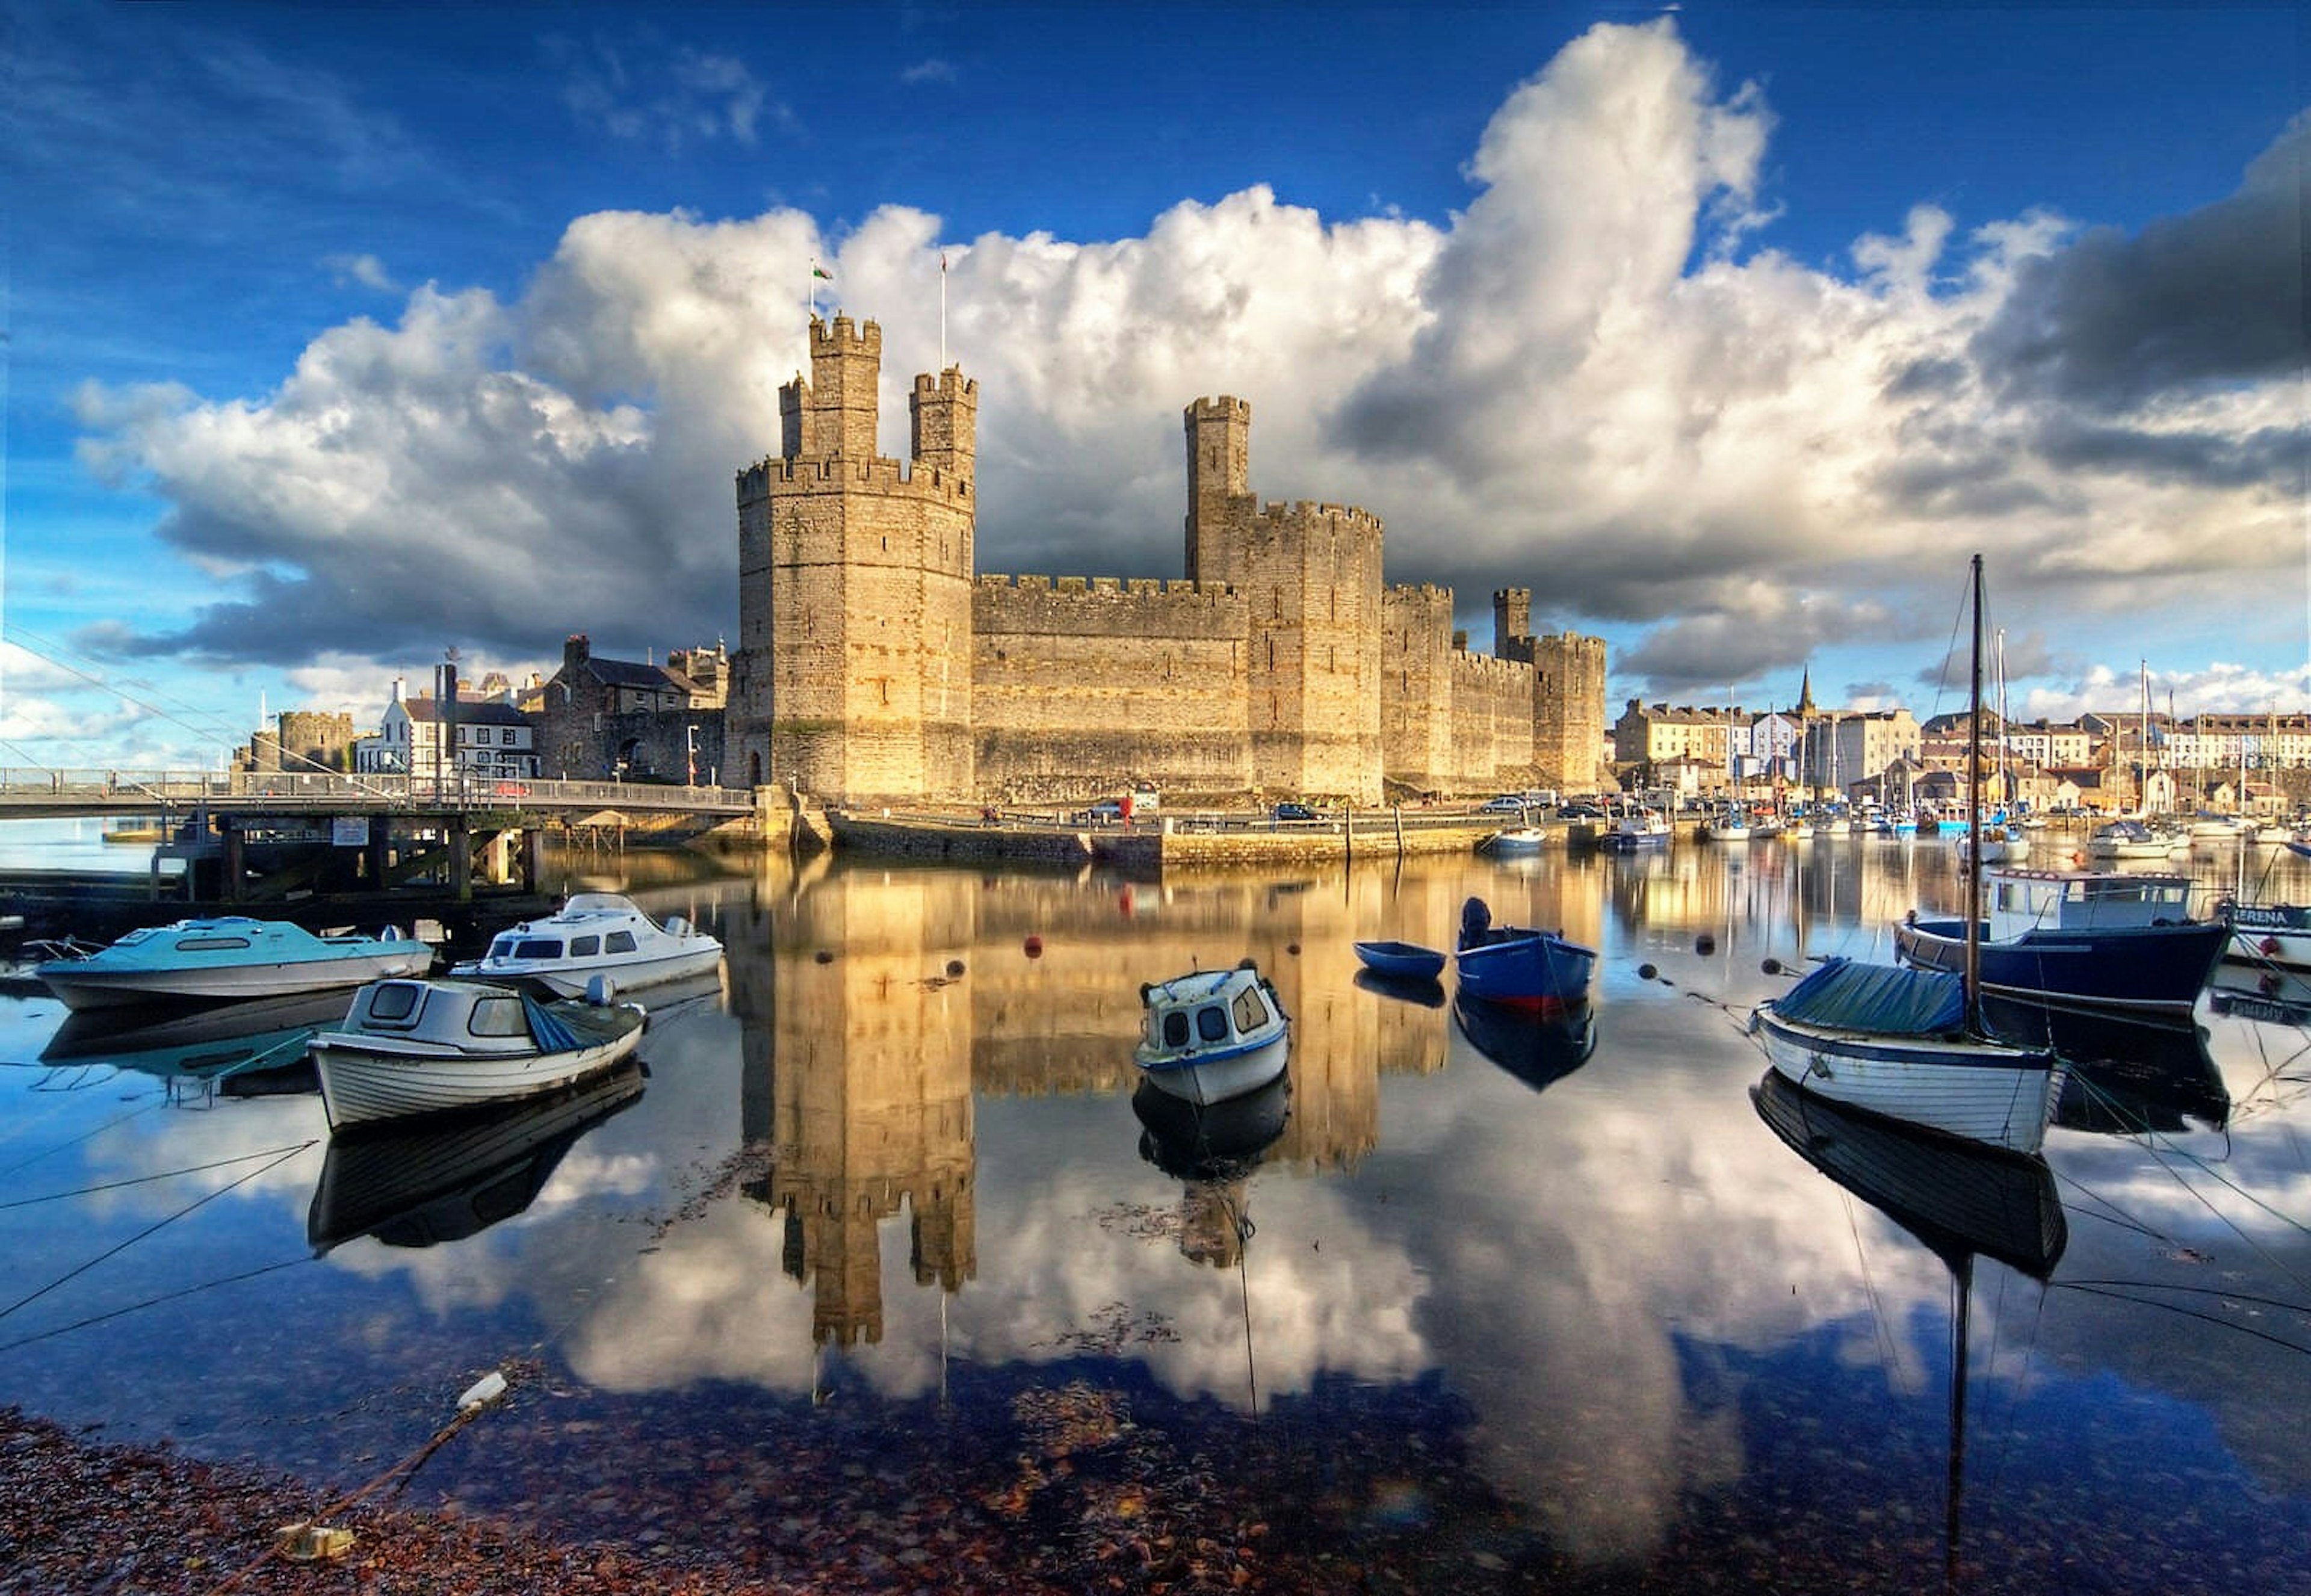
[32, 790]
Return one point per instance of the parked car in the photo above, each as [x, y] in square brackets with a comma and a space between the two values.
[1106, 812]
[1295, 812]
[1508, 803]
[1581, 812]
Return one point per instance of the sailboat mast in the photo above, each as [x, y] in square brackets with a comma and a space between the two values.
[1973, 818]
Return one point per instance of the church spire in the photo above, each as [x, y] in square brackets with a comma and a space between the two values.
[1805, 711]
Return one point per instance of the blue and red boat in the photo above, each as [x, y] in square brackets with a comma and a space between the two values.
[1517, 966]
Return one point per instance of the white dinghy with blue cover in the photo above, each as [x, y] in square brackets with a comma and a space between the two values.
[1895, 1041]
[423, 1047]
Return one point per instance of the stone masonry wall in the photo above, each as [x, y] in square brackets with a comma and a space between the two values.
[1081, 685]
[1415, 696]
[1492, 719]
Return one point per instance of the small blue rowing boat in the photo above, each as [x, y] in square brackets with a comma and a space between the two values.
[1402, 961]
[1527, 969]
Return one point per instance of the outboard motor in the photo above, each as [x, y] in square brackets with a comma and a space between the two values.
[601, 991]
[1476, 922]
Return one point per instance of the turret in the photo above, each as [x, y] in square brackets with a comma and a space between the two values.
[944, 423]
[1512, 622]
[835, 412]
[1219, 470]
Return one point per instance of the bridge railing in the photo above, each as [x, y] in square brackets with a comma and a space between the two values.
[53, 791]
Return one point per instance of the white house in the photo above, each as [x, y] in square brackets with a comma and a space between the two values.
[493, 740]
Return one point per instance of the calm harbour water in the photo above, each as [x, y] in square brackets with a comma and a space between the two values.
[883, 1220]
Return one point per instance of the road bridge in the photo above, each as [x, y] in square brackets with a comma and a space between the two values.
[34, 793]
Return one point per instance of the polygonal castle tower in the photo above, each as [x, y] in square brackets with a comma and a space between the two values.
[853, 670]
[1310, 575]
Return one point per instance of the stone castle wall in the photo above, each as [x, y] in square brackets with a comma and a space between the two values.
[1081, 685]
[1569, 710]
[1416, 721]
[1491, 719]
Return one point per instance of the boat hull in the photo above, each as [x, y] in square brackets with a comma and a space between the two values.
[1402, 961]
[1975, 1091]
[1209, 1079]
[2276, 936]
[569, 978]
[1531, 970]
[2150, 969]
[369, 1079]
[82, 987]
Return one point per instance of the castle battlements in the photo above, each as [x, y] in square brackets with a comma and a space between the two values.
[842, 337]
[879, 474]
[1137, 587]
[950, 383]
[1489, 670]
[1304, 512]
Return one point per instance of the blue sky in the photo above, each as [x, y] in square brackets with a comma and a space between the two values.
[339, 336]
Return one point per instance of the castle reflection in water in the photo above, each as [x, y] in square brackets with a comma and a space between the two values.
[876, 1006]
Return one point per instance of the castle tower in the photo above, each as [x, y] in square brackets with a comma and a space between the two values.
[1568, 710]
[944, 422]
[837, 407]
[1511, 621]
[1311, 576]
[852, 675]
[1220, 480]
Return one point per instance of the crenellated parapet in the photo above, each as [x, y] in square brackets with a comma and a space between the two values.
[1106, 607]
[837, 474]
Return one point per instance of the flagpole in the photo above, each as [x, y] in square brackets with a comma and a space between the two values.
[942, 365]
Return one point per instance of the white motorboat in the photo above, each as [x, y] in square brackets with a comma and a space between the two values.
[595, 934]
[227, 958]
[2131, 839]
[1213, 1034]
[422, 1047]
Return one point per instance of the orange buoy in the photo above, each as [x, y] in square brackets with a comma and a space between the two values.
[1033, 946]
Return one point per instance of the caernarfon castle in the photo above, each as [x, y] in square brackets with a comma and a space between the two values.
[876, 664]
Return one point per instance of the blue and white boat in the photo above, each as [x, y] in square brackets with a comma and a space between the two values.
[2269, 936]
[2107, 938]
[1635, 830]
[1519, 967]
[1212, 1034]
[1896, 1041]
[228, 958]
[1908, 1043]
[595, 934]
[407, 1048]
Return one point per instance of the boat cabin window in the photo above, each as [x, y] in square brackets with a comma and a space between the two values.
[1175, 1028]
[585, 948]
[1250, 1012]
[209, 944]
[537, 948]
[499, 1016]
[1211, 1023]
[618, 942]
[394, 1002]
